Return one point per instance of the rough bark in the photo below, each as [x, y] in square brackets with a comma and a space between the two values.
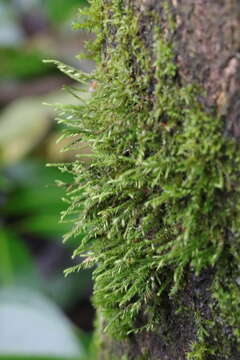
[207, 52]
[207, 45]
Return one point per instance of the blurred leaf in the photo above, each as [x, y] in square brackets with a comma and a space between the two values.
[22, 125]
[22, 63]
[6, 272]
[16, 263]
[60, 10]
[4, 183]
[33, 325]
[45, 225]
[40, 200]
[29, 357]
[34, 173]
[37, 201]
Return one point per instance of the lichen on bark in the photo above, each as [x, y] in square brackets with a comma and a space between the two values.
[159, 201]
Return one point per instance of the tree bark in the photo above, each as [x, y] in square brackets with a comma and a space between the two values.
[206, 43]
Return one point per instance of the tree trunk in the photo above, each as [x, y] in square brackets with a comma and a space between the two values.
[179, 60]
[205, 36]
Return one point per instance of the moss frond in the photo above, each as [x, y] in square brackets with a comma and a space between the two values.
[159, 196]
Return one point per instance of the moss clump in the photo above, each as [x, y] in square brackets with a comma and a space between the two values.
[160, 196]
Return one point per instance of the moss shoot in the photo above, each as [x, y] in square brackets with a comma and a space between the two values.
[160, 196]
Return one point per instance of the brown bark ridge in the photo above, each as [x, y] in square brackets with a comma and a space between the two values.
[207, 47]
[206, 42]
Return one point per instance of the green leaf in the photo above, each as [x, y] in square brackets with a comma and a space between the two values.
[19, 133]
[16, 264]
[13, 63]
[60, 10]
[45, 225]
[32, 357]
[37, 201]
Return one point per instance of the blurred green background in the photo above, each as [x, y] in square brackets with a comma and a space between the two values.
[43, 315]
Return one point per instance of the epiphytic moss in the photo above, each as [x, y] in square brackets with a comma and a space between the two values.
[160, 196]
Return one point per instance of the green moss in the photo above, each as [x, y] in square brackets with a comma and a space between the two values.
[161, 189]
[199, 351]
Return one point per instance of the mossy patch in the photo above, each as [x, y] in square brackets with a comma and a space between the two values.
[160, 196]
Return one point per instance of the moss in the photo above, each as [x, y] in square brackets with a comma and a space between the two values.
[199, 351]
[160, 197]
